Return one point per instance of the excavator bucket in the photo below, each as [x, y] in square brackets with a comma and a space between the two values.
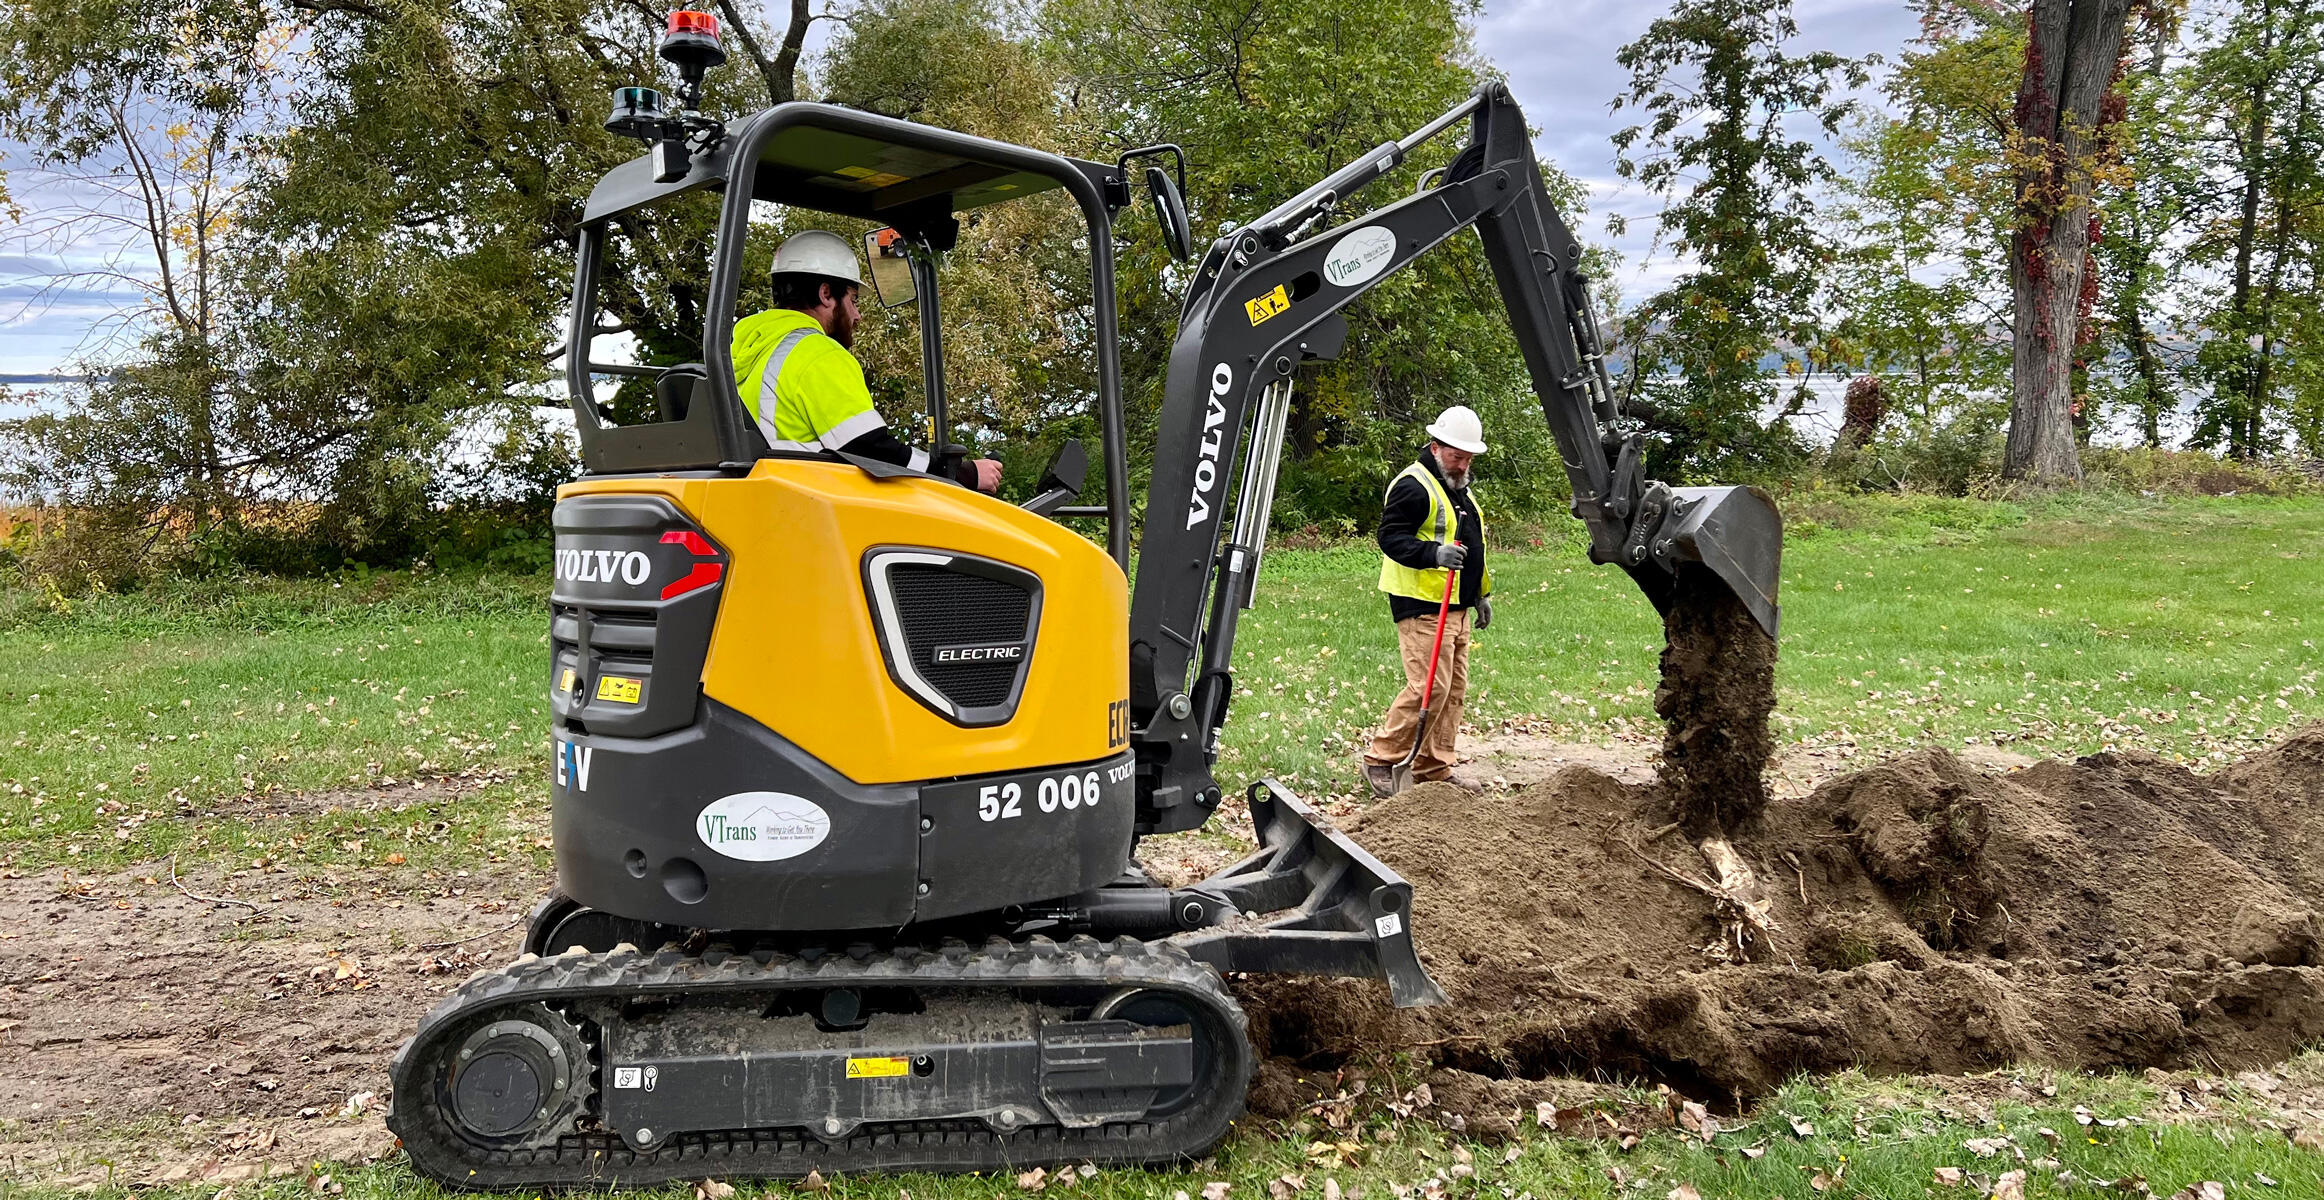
[1737, 533]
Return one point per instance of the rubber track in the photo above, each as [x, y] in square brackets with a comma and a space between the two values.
[596, 1160]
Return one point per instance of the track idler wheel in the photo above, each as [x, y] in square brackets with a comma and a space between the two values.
[518, 1081]
[1159, 1009]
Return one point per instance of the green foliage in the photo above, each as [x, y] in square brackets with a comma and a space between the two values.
[2259, 87]
[1268, 96]
[1739, 193]
[1910, 289]
[1952, 452]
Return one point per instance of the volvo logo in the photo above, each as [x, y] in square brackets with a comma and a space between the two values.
[1214, 422]
[603, 566]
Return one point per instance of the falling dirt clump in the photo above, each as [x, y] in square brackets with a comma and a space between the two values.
[1924, 916]
[1717, 689]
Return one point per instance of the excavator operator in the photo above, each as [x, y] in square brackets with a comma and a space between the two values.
[797, 373]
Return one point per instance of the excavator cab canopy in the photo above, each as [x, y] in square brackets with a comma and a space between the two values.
[826, 158]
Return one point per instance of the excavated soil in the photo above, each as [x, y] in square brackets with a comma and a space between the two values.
[1927, 916]
[1716, 691]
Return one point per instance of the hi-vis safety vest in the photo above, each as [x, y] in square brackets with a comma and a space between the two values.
[802, 388]
[1417, 583]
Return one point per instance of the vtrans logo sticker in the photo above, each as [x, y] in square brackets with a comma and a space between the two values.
[762, 826]
[1360, 255]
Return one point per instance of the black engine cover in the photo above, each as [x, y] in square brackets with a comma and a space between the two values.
[725, 825]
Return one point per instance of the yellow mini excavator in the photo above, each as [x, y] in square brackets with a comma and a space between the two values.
[851, 762]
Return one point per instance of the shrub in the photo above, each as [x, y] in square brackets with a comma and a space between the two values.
[2192, 473]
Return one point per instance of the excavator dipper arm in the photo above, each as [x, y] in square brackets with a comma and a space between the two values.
[1267, 299]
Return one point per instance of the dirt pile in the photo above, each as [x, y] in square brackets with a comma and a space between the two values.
[2118, 911]
[1717, 688]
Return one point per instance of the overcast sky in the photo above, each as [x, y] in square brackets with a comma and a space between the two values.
[1559, 56]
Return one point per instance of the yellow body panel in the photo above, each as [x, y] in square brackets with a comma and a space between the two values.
[796, 650]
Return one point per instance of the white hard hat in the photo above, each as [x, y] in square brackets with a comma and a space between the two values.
[817, 252]
[1459, 428]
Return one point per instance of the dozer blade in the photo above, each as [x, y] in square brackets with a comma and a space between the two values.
[1325, 906]
[1736, 532]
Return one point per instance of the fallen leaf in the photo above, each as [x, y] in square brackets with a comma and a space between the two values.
[1544, 1113]
[1986, 1147]
[814, 1183]
[2209, 1189]
[360, 1103]
[713, 1189]
[1820, 1181]
[1950, 1176]
[1697, 1120]
[1086, 1170]
[2011, 1186]
[1801, 1128]
[1512, 1154]
[1331, 1190]
[2263, 1179]
[1217, 1189]
[1754, 1151]
[1684, 1191]
[1283, 1187]
[1034, 1180]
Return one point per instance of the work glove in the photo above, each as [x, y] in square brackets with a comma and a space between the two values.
[1484, 611]
[1450, 555]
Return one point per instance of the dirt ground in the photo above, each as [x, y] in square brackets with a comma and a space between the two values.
[1930, 914]
[1923, 915]
[184, 1039]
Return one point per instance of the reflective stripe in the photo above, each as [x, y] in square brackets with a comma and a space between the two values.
[919, 459]
[769, 376]
[853, 427]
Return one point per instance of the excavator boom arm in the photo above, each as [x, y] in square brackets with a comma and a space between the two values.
[1264, 301]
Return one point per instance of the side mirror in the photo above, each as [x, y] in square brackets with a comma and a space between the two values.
[1170, 213]
[891, 267]
[1062, 481]
[1069, 470]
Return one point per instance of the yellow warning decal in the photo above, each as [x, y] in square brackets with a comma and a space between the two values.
[619, 689]
[878, 1068]
[1267, 306]
[565, 683]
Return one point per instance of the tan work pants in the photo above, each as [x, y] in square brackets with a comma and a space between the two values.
[1414, 635]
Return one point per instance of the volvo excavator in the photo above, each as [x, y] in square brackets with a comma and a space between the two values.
[852, 763]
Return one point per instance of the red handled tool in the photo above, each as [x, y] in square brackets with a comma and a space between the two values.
[1403, 770]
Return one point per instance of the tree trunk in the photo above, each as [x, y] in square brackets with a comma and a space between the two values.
[2255, 136]
[2072, 50]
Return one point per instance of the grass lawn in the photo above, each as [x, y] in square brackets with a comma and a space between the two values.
[2188, 627]
[400, 718]
[1848, 1137]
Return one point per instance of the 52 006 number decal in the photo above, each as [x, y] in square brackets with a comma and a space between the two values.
[998, 802]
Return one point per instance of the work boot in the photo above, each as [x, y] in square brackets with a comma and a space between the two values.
[1462, 780]
[1382, 779]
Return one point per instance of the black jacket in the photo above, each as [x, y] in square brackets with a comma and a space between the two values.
[1400, 539]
